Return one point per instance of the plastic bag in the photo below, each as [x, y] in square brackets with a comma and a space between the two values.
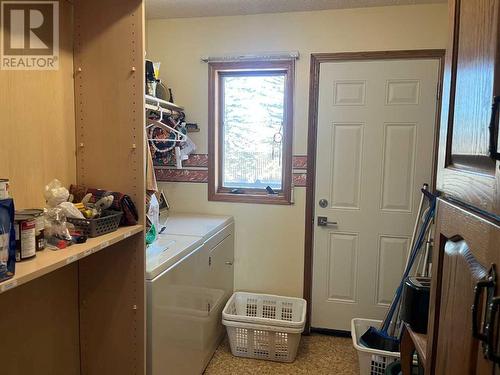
[56, 229]
[70, 210]
[187, 148]
[154, 217]
[55, 193]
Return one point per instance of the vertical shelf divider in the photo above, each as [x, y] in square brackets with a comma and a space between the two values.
[109, 108]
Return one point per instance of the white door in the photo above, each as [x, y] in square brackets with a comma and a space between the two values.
[375, 149]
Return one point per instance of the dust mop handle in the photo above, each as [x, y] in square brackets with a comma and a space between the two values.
[413, 255]
[425, 187]
[388, 316]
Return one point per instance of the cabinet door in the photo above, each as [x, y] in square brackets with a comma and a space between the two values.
[465, 169]
[221, 273]
[466, 250]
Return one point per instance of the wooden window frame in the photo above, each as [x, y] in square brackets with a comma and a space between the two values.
[216, 71]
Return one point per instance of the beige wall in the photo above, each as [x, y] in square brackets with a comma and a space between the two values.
[270, 239]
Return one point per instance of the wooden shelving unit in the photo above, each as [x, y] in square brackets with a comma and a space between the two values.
[81, 310]
[50, 260]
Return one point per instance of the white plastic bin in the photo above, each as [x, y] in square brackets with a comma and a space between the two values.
[371, 361]
[266, 309]
[264, 326]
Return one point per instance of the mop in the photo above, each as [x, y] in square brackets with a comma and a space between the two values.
[381, 339]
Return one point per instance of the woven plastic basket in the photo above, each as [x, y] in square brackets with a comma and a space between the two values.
[266, 309]
[264, 326]
[371, 361]
[107, 223]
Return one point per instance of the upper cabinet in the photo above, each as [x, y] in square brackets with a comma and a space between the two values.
[467, 169]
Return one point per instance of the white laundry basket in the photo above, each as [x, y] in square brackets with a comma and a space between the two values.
[371, 361]
[264, 326]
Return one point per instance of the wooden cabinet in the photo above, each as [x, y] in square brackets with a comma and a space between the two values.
[462, 335]
[466, 170]
[467, 248]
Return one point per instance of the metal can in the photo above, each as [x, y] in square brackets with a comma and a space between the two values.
[39, 217]
[4, 188]
[25, 237]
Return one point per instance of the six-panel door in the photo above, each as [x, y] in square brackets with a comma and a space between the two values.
[375, 150]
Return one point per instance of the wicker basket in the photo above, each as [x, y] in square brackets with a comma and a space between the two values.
[107, 223]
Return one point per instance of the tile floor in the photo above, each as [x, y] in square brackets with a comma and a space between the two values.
[318, 354]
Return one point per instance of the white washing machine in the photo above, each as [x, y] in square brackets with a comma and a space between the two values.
[189, 278]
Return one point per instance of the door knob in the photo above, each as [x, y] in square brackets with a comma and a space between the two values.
[323, 221]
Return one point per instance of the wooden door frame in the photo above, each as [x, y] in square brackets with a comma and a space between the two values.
[316, 60]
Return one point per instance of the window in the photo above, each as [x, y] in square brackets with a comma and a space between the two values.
[250, 131]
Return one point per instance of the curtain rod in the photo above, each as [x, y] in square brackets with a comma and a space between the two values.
[252, 57]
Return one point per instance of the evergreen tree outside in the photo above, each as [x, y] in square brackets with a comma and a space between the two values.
[253, 129]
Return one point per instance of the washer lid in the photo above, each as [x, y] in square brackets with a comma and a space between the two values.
[196, 224]
[167, 251]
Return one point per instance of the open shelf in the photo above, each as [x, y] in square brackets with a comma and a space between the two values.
[151, 100]
[412, 342]
[50, 260]
[420, 341]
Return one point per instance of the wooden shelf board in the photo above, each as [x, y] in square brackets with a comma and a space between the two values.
[420, 341]
[50, 260]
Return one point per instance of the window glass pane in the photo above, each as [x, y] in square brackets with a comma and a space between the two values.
[253, 131]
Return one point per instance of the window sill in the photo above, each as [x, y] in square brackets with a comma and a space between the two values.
[277, 199]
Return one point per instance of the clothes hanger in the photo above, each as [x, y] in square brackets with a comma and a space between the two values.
[161, 111]
[182, 137]
[179, 136]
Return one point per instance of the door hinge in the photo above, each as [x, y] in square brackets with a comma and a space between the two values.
[209, 261]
